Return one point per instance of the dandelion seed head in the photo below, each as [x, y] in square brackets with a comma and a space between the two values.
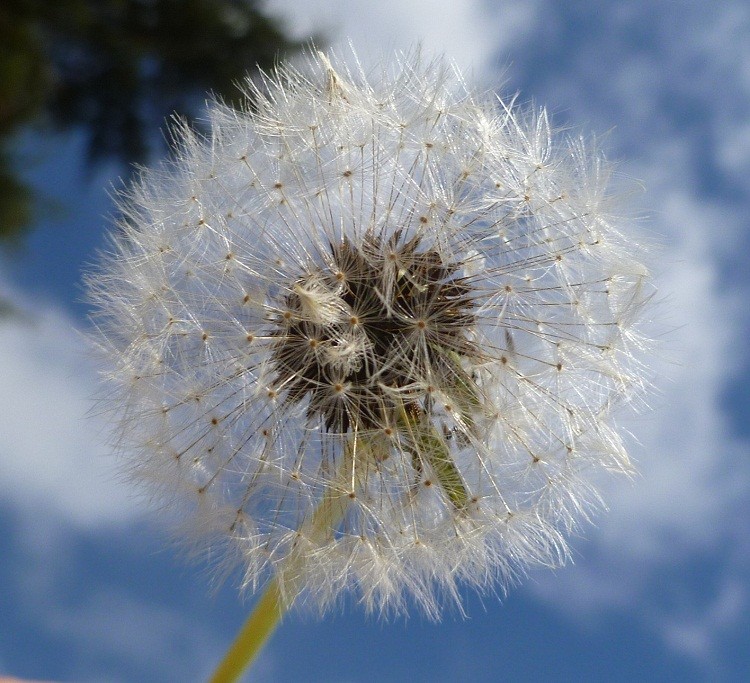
[385, 294]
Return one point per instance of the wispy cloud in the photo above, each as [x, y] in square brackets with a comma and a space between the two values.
[114, 626]
[657, 78]
[54, 461]
[470, 32]
[680, 101]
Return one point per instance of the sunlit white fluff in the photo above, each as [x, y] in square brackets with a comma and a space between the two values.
[369, 333]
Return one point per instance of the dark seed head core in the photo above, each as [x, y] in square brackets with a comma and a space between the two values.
[412, 316]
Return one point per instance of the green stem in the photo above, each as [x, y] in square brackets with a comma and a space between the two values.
[252, 636]
[274, 603]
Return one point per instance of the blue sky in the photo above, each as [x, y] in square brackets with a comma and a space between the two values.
[660, 586]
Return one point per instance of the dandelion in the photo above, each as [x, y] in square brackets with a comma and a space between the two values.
[369, 333]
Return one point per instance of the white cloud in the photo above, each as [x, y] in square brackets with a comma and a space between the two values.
[691, 500]
[692, 630]
[114, 627]
[54, 463]
[734, 147]
[690, 505]
[470, 32]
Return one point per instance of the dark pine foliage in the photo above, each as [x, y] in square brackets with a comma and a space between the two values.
[118, 69]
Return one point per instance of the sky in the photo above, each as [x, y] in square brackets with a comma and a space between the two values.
[659, 586]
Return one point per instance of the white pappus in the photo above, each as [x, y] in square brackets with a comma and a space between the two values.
[368, 333]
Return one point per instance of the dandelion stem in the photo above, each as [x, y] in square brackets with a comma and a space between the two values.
[282, 589]
[252, 636]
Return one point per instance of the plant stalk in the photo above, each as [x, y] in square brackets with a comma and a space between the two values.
[253, 635]
[318, 528]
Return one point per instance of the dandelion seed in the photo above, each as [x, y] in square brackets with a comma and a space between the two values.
[386, 340]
